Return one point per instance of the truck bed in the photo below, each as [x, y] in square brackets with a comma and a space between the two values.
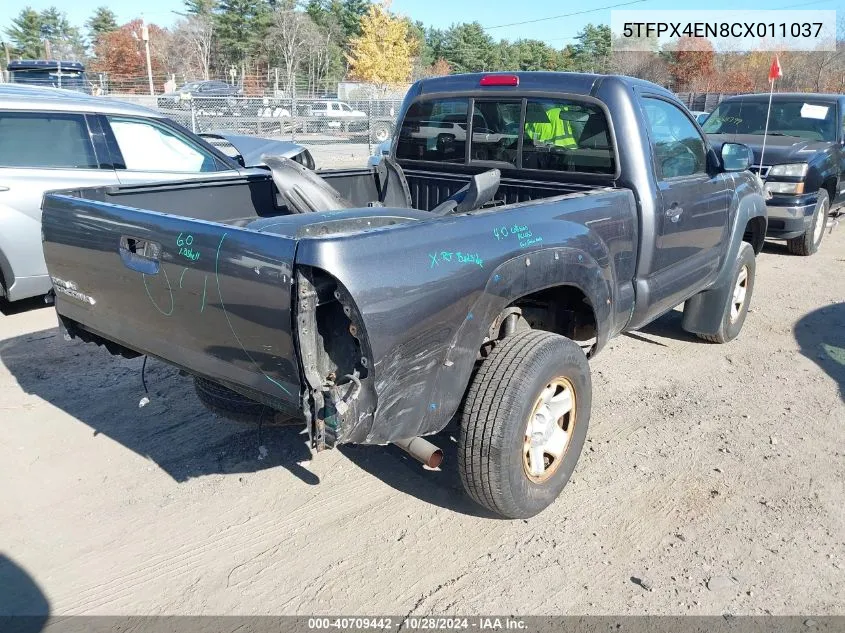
[240, 200]
[215, 278]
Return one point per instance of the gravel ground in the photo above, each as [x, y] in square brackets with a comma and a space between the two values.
[711, 483]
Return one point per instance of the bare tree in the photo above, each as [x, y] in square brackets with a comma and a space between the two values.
[194, 39]
[289, 38]
[322, 50]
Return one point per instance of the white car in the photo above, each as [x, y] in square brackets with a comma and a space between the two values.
[334, 115]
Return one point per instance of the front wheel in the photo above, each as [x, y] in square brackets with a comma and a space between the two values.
[523, 423]
[739, 299]
[809, 242]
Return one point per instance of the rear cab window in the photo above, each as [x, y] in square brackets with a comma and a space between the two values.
[561, 135]
[435, 130]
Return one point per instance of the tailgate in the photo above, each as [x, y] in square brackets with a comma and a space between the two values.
[211, 298]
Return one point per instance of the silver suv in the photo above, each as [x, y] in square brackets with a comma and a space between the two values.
[57, 139]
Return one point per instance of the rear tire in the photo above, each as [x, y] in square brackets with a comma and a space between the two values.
[736, 308]
[232, 405]
[509, 423]
[807, 244]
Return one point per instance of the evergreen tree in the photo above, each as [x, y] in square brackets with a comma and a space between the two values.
[592, 52]
[102, 21]
[241, 27]
[25, 34]
[351, 14]
[200, 7]
[468, 48]
[65, 40]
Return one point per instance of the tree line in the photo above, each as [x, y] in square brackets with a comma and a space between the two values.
[309, 46]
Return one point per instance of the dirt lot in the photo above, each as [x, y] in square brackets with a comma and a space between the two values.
[715, 474]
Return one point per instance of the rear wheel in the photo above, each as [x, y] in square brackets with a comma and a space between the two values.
[808, 243]
[524, 422]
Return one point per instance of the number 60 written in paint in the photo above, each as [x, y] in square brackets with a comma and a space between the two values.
[186, 241]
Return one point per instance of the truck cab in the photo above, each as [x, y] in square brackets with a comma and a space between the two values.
[49, 73]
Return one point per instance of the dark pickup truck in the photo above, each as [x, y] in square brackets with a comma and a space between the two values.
[473, 271]
[803, 163]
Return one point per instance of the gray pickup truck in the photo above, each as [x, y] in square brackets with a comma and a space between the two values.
[470, 274]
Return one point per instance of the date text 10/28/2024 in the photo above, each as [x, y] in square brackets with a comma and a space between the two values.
[421, 623]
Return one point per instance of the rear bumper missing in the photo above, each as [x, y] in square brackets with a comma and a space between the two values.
[339, 397]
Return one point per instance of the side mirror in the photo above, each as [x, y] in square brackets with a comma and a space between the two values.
[736, 157]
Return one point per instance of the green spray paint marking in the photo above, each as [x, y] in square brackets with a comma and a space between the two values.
[520, 232]
[454, 257]
[169, 288]
[184, 244]
[226, 314]
[204, 284]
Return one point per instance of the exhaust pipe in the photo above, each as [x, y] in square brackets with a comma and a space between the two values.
[422, 450]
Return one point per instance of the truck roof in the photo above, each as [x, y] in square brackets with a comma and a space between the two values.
[531, 81]
[36, 64]
[787, 96]
[25, 97]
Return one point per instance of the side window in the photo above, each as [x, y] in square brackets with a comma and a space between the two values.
[678, 147]
[147, 146]
[563, 135]
[495, 130]
[434, 130]
[43, 139]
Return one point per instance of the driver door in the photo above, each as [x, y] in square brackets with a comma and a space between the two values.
[694, 205]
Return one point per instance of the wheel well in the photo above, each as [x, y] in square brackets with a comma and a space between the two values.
[4, 287]
[830, 185]
[563, 310]
[755, 233]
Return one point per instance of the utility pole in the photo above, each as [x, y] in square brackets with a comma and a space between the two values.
[145, 35]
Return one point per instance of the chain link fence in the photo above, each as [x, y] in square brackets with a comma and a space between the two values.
[338, 133]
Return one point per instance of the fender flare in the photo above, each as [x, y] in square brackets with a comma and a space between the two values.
[543, 269]
[517, 277]
[703, 312]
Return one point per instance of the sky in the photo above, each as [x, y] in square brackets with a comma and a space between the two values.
[554, 30]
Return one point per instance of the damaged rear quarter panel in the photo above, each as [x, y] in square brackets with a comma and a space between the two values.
[427, 293]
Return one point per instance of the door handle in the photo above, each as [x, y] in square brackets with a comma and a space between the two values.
[140, 255]
[674, 212]
[2, 188]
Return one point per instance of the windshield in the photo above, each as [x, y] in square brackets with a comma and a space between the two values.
[803, 119]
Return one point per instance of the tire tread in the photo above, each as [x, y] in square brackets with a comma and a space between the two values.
[482, 424]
